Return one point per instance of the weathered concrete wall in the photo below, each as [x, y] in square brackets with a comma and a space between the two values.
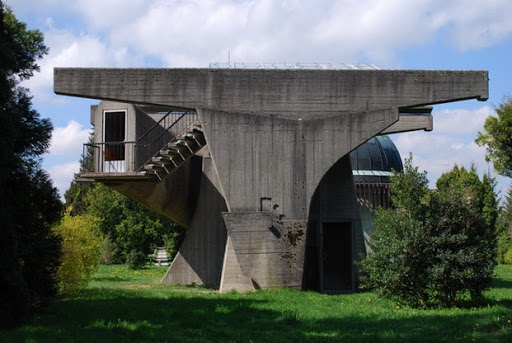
[260, 157]
[287, 93]
[269, 251]
[201, 255]
[232, 276]
[174, 198]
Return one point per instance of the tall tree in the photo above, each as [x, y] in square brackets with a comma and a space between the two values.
[497, 138]
[29, 204]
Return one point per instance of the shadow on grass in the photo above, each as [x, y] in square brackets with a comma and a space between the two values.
[501, 283]
[129, 316]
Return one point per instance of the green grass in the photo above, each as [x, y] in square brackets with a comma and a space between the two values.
[123, 305]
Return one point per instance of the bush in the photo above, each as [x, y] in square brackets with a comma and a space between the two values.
[434, 248]
[136, 259]
[81, 246]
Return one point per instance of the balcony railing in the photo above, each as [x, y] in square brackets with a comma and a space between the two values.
[131, 156]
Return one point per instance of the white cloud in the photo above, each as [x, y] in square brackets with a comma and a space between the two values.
[69, 140]
[192, 33]
[461, 121]
[475, 24]
[108, 14]
[451, 142]
[63, 174]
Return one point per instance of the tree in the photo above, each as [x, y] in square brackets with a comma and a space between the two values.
[433, 248]
[29, 252]
[396, 265]
[497, 138]
[77, 191]
[127, 224]
[461, 227]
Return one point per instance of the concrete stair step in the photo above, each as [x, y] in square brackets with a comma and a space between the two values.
[167, 160]
[182, 147]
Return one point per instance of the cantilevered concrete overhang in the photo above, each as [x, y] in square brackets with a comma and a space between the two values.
[305, 94]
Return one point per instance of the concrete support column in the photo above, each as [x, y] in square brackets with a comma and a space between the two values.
[269, 168]
[201, 255]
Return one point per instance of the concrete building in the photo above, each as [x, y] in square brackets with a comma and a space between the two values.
[255, 163]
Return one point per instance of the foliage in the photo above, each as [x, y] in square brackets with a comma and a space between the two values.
[396, 265]
[504, 230]
[432, 248]
[29, 204]
[124, 305]
[81, 251]
[136, 259]
[173, 240]
[497, 138]
[129, 225]
[108, 250]
[462, 229]
[76, 193]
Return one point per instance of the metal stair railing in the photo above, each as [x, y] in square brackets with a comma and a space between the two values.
[133, 155]
[150, 143]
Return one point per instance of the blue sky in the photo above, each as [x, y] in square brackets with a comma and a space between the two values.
[391, 34]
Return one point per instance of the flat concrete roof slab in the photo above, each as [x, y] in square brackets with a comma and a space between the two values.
[285, 93]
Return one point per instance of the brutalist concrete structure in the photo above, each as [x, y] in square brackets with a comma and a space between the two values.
[255, 163]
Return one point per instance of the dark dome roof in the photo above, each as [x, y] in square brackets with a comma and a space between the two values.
[374, 160]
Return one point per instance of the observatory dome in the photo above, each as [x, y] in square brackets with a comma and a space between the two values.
[375, 160]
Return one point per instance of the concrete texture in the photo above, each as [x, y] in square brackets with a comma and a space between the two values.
[274, 188]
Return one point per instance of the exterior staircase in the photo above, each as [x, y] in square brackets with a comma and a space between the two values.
[160, 257]
[176, 152]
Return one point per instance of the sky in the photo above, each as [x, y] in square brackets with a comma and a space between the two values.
[390, 34]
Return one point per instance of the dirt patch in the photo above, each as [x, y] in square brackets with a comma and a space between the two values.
[135, 286]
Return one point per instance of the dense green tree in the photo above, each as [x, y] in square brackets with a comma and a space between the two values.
[128, 225]
[497, 138]
[395, 267]
[461, 227]
[434, 247]
[29, 204]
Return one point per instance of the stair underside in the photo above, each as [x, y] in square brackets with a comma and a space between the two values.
[125, 176]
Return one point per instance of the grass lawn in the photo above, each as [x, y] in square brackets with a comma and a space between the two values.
[121, 305]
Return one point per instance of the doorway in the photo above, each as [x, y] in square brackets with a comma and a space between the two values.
[114, 137]
[336, 257]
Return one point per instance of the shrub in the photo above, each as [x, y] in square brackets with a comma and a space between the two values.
[136, 259]
[81, 246]
[432, 248]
